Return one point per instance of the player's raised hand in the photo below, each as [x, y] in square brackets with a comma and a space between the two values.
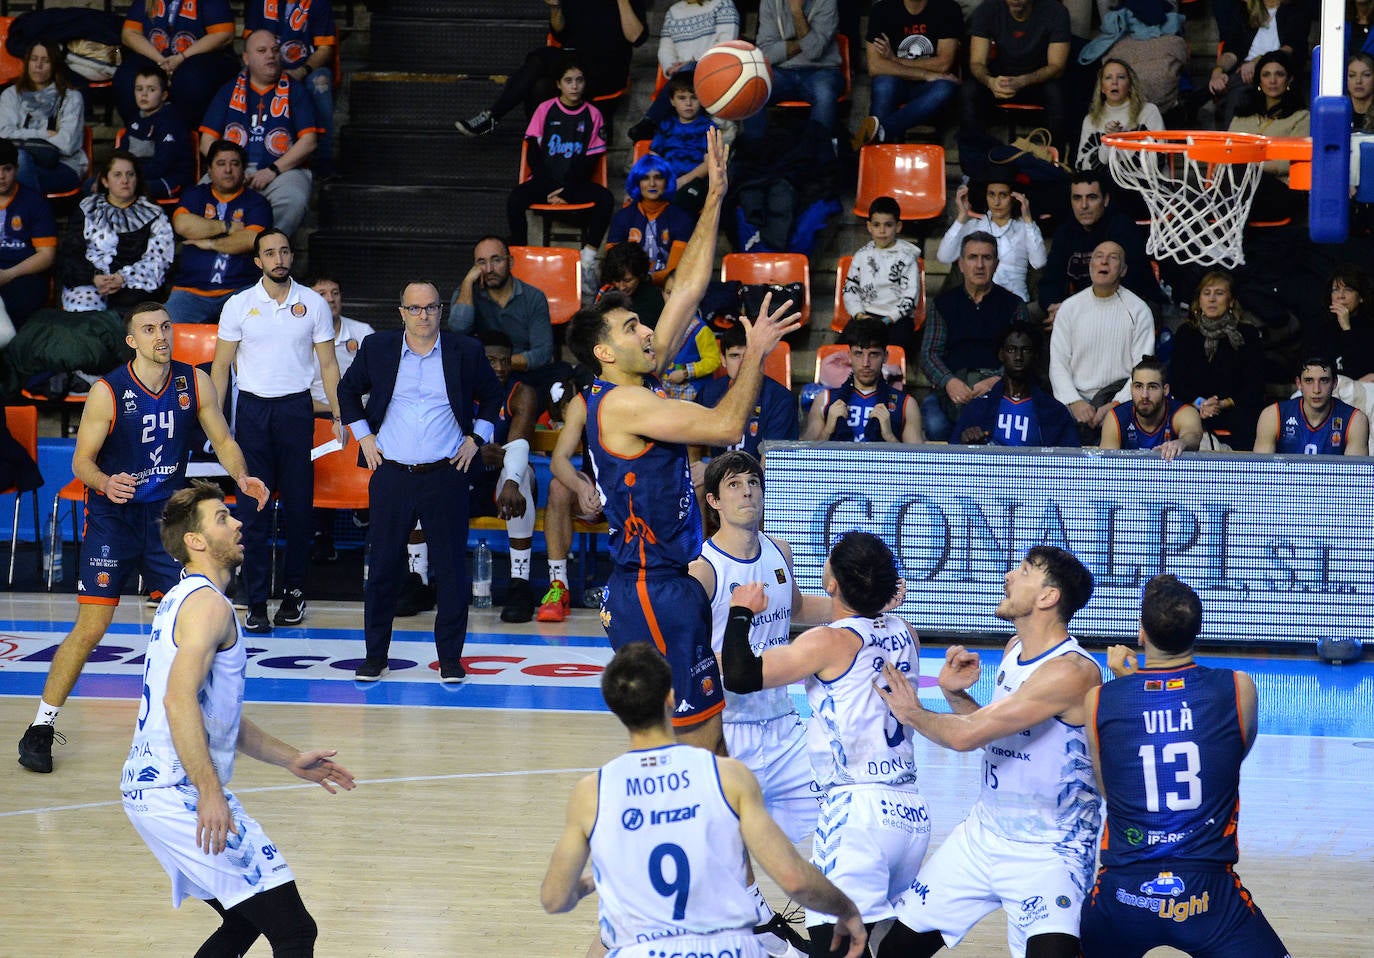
[717, 161]
[319, 766]
[898, 597]
[769, 327]
[961, 670]
[750, 595]
[1121, 660]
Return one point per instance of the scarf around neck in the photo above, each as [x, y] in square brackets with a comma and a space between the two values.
[281, 96]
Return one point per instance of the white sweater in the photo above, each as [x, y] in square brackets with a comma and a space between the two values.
[690, 29]
[1096, 341]
[1092, 155]
[1019, 247]
[884, 282]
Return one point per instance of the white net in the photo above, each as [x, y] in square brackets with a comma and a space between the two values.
[1198, 208]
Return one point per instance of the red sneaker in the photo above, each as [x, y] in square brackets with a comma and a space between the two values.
[556, 604]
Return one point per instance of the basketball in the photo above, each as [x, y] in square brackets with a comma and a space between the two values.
[733, 80]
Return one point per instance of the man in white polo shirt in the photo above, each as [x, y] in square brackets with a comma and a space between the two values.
[273, 333]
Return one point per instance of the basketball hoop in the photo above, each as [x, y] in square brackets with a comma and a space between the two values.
[1198, 187]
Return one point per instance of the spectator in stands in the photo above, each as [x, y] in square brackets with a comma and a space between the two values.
[626, 269]
[118, 245]
[1274, 108]
[1117, 107]
[1031, 41]
[270, 115]
[1359, 86]
[1095, 220]
[1315, 423]
[46, 119]
[1016, 411]
[1218, 362]
[1153, 419]
[159, 138]
[1250, 29]
[348, 336]
[1099, 336]
[1359, 17]
[697, 359]
[651, 219]
[309, 43]
[563, 139]
[1345, 331]
[963, 332]
[681, 140]
[1020, 244]
[690, 28]
[884, 281]
[866, 408]
[489, 297]
[798, 38]
[218, 223]
[775, 411]
[192, 43]
[28, 241]
[601, 34]
[912, 49]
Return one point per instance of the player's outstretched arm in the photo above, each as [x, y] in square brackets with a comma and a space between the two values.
[316, 765]
[227, 451]
[564, 883]
[774, 853]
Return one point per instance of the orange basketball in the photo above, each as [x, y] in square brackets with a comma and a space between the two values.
[733, 80]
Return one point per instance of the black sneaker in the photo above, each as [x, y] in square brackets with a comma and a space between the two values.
[323, 550]
[780, 928]
[35, 748]
[414, 596]
[371, 670]
[519, 602]
[643, 130]
[292, 608]
[451, 672]
[477, 125]
[256, 620]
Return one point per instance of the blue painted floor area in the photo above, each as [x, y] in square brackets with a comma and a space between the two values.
[561, 672]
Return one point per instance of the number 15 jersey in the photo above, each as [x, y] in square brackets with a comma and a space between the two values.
[150, 437]
[667, 855]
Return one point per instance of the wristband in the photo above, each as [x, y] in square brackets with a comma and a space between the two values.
[1198, 402]
[477, 440]
[274, 169]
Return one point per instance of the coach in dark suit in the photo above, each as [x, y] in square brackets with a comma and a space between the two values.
[418, 434]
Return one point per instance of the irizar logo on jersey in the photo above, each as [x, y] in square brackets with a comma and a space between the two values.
[1173, 907]
[667, 815]
[631, 819]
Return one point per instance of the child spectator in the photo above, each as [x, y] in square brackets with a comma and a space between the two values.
[682, 142]
[1117, 107]
[884, 280]
[690, 28]
[626, 269]
[697, 358]
[158, 138]
[651, 220]
[563, 136]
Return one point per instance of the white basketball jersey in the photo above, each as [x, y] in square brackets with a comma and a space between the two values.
[851, 735]
[1038, 783]
[153, 761]
[769, 628]
[667, 855]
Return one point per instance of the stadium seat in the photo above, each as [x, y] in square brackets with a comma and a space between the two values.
[840, 318]
[911, 173]
[771, 268]
[554, 271]
[22, 422]
[11, 67]
[340, 483]
[778, 365]
[194, 343]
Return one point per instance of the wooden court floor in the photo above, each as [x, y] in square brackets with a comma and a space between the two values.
[440, 850]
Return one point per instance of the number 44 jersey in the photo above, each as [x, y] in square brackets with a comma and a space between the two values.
[667, 855]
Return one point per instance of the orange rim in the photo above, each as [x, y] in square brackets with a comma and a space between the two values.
[1205, 146]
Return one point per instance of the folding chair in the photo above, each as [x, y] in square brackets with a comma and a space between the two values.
[911, 173]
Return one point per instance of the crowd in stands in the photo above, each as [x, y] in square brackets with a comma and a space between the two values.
[1051, 305]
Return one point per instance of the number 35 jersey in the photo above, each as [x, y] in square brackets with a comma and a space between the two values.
[1172, 747]
[150, 437]
[667, 855]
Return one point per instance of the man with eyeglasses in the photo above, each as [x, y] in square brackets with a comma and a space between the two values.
[490, 299]
[273, 333]
[432, 403]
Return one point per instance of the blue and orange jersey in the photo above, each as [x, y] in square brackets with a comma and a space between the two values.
[1298, 437]
[150, 437]
[173, 25]
[648, 499]
[1133, 433]
[1171, 746]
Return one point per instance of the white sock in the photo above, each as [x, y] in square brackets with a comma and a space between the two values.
[47, 714]
[764, 909]
[419, 559]
[558, 570]
[520, 563]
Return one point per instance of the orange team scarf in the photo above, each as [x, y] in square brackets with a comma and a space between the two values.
[281, 97]
[297, 12]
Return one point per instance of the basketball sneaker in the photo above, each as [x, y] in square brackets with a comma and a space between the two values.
[479, 124]
[292, 608]
[556, 604]
[35, 748]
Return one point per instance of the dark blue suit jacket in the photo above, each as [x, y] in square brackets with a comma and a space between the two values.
[468, 377]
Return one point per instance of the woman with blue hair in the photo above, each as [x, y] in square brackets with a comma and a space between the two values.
[651, 220]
